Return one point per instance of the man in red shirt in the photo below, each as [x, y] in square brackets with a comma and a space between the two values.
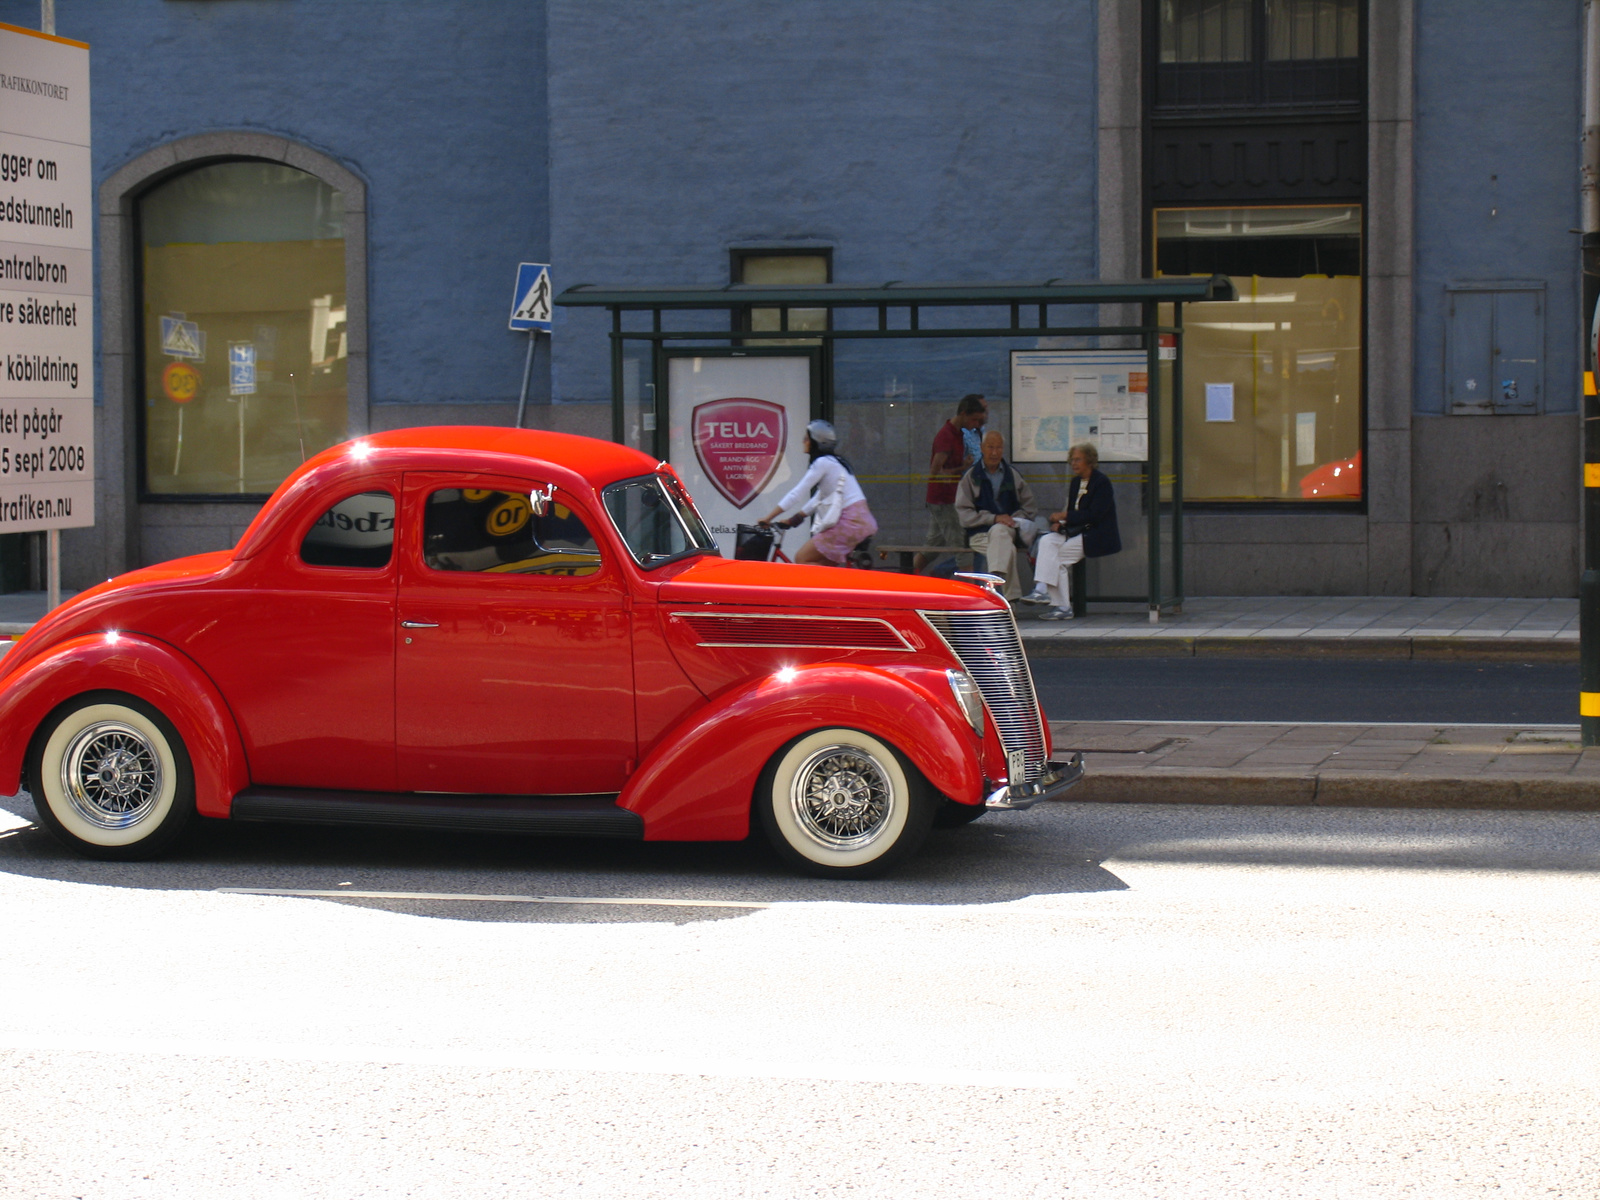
[950, 459]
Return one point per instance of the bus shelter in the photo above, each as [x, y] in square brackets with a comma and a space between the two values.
[720, 381]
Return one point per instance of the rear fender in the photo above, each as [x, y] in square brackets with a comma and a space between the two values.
[143, 667]
[697, 783]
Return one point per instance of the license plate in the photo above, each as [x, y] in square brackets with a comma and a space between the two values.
[1016, 766]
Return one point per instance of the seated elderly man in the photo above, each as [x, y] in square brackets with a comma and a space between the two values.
[995, 506]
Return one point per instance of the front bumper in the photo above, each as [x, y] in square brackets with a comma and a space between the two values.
[1056, 778]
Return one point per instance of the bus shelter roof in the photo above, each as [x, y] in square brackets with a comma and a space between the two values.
[895, 293]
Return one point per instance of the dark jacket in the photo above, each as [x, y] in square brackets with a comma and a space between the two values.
[1096, 519]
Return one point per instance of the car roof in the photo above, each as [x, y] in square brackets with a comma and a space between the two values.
[599, 462]
[453, 448]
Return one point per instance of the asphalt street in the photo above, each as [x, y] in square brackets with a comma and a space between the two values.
[1305, 689]
[1068, 1001]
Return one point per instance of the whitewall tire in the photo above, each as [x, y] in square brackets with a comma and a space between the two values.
[841, 803]
[111, 778]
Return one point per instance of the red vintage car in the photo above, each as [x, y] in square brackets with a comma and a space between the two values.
[515, 631]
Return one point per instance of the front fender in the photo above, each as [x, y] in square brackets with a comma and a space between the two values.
[697, 783]
[143, 667]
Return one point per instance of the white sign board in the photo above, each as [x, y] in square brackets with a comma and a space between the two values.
[1060, 398]
[734, 435]
[46, 284]
[530, 300]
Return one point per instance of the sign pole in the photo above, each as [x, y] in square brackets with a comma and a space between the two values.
[530, 312]
[527, 375]
[47, 24]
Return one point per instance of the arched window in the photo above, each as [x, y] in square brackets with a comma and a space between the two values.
[244, 330]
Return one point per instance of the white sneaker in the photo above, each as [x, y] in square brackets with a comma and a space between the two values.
[1037, 596]
[1056, 614]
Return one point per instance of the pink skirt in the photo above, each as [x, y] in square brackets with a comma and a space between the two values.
[855, 525]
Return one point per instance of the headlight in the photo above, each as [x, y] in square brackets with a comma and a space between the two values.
[965, 690]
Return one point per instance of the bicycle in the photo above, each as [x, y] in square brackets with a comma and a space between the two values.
[764, 543]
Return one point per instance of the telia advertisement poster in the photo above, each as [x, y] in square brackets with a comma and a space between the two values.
[734, 437]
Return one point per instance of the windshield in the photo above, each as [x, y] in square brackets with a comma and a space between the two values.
[656, 519]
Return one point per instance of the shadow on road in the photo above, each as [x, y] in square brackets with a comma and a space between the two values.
[1004, 856]
[1053, 849]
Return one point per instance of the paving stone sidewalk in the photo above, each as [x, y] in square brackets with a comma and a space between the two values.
[1344, 626]
[1382, 766]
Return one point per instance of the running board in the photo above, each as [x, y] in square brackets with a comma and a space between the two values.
[568, 816]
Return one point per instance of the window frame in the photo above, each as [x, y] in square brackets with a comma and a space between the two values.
[394, 540]
[1248, 90]
[1288, 504]
[497, 484]
[675, 495]
[131, 185]
[737, 256]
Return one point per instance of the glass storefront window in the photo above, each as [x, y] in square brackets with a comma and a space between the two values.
[244, 379]
[1272, 382]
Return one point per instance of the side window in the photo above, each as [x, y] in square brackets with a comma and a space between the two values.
[473, 529]
[356, 532]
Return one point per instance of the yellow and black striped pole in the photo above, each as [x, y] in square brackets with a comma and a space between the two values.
[1589, 581]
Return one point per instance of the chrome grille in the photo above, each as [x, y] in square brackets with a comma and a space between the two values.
[988, 645]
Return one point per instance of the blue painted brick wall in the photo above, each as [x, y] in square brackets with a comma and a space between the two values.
[1498, 94]
[440, 107]
[941, 140]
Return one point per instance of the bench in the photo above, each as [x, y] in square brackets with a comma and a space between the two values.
[1080, 569]
[908, 554]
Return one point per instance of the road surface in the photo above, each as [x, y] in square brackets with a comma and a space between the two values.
[1070, 1001]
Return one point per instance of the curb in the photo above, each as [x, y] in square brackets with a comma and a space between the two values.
[1435, 649]
[1559, 794]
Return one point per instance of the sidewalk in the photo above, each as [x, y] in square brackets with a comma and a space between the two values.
[1362, 766]
[1325, 626]
[18, 610]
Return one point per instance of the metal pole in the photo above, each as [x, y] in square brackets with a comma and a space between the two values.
[619, 431]
[1152, 397]
[1589, 581]
[53, 586]
[1177, 456]
[527, 374]
[47, 24]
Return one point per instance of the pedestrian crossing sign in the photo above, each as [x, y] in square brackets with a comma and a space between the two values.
[530, 303]
[180, 338]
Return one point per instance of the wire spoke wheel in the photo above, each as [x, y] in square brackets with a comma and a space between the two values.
[841, 797]
[112, 775]
[839, 803]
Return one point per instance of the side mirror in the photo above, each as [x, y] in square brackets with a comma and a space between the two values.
[539, 501]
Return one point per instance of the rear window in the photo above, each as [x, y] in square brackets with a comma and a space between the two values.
[356, 532]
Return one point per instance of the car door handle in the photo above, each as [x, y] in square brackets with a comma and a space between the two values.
[419, 624]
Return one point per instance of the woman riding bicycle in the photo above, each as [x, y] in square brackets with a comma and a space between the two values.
[840, 518]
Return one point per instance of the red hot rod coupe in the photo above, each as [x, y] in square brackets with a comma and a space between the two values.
[508, 630]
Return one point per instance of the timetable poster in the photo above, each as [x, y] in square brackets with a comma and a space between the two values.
[1062, 397]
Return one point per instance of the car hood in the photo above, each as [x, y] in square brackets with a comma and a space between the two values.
[730, 581]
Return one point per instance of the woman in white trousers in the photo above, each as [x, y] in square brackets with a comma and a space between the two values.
[1057, 552]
